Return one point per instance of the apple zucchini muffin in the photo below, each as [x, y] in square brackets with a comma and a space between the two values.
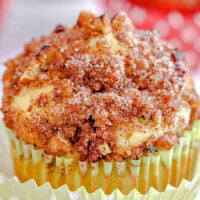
[102, 105]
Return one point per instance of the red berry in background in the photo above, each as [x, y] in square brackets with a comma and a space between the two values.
[169, 5]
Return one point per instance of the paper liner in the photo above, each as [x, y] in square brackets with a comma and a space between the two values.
[156, 170]
[12, 189]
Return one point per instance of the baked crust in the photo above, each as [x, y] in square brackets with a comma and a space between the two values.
[102, 89]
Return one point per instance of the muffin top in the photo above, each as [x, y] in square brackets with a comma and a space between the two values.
[102, 89]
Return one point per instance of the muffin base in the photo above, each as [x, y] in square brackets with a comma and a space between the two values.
[156, 170]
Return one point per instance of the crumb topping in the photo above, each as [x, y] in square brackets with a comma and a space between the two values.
[78, 89]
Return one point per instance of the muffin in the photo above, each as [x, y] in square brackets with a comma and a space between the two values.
[102, 105]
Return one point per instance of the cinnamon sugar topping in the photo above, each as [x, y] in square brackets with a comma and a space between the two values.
[100, 89]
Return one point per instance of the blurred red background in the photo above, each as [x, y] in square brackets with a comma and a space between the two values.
[178, 21]
[167, 5]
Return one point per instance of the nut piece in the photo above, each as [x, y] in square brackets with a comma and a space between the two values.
[30, 74]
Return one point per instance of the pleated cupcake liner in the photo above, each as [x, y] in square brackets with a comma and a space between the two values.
[150, 177]
[12, 189]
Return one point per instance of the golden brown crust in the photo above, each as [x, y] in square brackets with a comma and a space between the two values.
[66, 92]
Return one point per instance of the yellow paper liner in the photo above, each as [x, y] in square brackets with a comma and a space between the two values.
[156, 170]
[15, 190]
